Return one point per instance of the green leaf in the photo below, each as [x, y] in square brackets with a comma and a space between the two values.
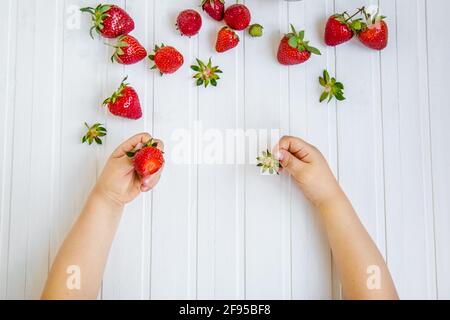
[322, 82]
[326, 76]
[301, 35]
[195, 68]
[293, 42]
[323, 96]
[314, 51]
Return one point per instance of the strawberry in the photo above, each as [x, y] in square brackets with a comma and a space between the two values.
[189, 22]
[215, 8]
[294, 49]
[167, 59]
[94, 133]
[237, 17]
[256, 30]
[206, 73]
[148, 160]
[341, 28]
[226, 39]
[110, 21]
[374, 32]
[128, 50]
[124, 102]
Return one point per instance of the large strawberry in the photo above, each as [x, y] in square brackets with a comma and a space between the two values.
[128, 50]
[341, 28]
[124, 102]
[109, 20]
[374, 32]
[189, 22]
[237, 17]
[167, 59]
[148, 160]
[215, 8]
[226, 39]
[294, 49]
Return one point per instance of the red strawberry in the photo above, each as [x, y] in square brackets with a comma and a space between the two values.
[128, 50]
[294, 49]
[338, 30]
[226, 39]
[237, 17]
[124, 102]
[189, 22]
[110, 21]
[148, 160]
[375, 36]
[215, 8]
[166, 59]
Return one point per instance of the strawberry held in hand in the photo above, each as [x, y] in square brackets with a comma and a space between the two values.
[167, 59]
[294, 49]
[148, 160]
[109, 20]
[124, 102]
[340, 28]
[237, 17]
[128, 50]
[215, 8]
[189, 22]
[226, 39]
[374, 32]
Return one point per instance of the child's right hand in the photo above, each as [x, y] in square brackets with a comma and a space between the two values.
[309, 169]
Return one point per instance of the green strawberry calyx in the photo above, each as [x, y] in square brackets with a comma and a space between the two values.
[99, 14]
[268, 163]
[121, 43]
[150, 143]
[94, 134]
[297, 40]
[116, 95]
[206, 73]
[333, 88]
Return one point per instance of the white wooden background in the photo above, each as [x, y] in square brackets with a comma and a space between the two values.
[226, 231]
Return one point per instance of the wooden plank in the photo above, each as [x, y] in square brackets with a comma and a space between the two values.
[46, 66]
[359, 125]
[439, 68]
[8, 18]
[221, 186]
[128, 272]
[266, 219]
[407, 153]
[174, 226]
[314, 122]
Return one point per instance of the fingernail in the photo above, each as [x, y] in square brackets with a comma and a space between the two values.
[279, 156]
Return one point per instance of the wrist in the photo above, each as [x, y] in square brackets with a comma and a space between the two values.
[106, 200]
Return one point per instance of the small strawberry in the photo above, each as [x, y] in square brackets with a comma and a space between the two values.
[226, 39]
[124, 102]
[109, 20]
[167, 59]
[148, 160]
[374, 32]
[268, 163]
[128, 50]
[94, 133]
[256, 30]
[206, 73]
[215, 8]
[189, 22]
[341, 28]
[294, 49]
[237, 17]
[332, 88]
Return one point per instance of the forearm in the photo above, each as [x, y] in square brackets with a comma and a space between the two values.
[86, 248]
[355, 253]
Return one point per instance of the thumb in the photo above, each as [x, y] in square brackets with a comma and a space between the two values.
[289, 162]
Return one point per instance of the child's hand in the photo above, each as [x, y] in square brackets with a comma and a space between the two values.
[118, 181]
[309, 168]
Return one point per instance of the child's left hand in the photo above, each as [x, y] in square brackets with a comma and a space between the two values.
[119, 182]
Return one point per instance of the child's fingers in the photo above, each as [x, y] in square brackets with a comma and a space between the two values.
[299, 148]
[130, 144]
[290, 162]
